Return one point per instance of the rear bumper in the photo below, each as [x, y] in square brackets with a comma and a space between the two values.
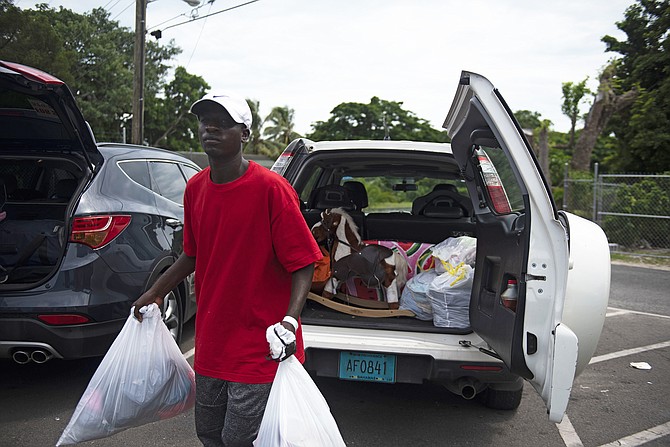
[418, 369]
[69, 342]
[420, 357]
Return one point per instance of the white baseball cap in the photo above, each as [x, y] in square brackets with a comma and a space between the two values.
[238, 108]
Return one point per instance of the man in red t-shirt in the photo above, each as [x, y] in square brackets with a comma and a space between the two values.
[253, 257]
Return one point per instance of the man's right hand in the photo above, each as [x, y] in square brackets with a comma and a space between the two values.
[147, 298]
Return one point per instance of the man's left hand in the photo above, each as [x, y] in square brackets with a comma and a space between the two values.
[281, 338]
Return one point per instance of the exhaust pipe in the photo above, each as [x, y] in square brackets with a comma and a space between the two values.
[467, 388]
[21, 357]
[40, 356]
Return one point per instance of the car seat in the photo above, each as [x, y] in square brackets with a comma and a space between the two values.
[357, 193]
[443, 195]
[333, 196]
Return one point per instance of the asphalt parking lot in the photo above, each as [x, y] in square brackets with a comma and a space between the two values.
[612, 402]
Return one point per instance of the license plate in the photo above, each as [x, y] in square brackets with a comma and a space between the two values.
[367, 367]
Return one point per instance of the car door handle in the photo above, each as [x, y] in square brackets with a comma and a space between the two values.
[174, 223]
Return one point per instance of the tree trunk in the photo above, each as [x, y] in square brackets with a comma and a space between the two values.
[543, 149]
[605, 104]
[170, 129]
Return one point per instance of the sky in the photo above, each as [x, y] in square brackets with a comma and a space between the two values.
[312, 55]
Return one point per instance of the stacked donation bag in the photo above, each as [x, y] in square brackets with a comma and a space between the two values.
[442, 293]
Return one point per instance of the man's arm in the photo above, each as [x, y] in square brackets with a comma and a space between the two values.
[301, 282]
[184, 266]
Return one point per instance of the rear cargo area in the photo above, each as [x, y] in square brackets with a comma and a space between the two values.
[401, 232]
[35, 197]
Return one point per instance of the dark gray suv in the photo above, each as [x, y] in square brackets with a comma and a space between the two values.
[85, 228]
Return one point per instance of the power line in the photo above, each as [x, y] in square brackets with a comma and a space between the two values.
[157, 33]
[193, 12]
[199, 36]
[124, 9]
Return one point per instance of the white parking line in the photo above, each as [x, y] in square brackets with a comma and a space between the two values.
[627, 352]
[568, 433]
[189, 354]
[618, 311]
[641, 438]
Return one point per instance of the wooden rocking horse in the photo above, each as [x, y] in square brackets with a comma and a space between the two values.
[376, 266]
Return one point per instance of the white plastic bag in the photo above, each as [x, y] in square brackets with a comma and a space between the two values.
[296, 414]
[454, 250]
[143, 378]
[449, 295]
[415, 295]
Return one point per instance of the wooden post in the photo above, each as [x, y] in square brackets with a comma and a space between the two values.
[137, 135]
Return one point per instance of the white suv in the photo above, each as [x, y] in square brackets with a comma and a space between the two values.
[496, 194]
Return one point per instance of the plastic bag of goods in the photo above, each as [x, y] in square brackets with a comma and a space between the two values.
[449, 295]
[415, 295]
[454, 250]
[143, 378]
[296, 414]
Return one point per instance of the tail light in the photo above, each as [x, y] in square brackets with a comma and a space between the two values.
[494, 185]
[295, 148]
[282, 161]
[63, 319]
[98, 231]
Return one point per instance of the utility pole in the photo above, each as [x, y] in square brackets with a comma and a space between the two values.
[137, 135]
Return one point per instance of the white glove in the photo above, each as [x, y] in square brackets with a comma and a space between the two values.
[281, 341]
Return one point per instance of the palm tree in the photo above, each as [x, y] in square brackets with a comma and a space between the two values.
[257, 144]
[280, 128]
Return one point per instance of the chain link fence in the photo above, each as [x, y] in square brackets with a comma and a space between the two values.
[632, 209]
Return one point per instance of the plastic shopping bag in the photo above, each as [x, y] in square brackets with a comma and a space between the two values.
[415, 295]
[143, 378]
[454, 250]
[296, 414]
[449, 295]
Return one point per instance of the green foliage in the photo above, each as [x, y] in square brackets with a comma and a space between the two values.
[528, 119]
[573, 95]
[257, 144]
[27, 37]
[168, 123]
[91, 53]
[643, 131]
[646, 197]
[280, 125]
[375, 121]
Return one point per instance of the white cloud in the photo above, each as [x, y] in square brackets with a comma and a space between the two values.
[312, 55]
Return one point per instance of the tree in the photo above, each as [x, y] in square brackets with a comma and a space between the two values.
[375, 121]
[528, 119]
[543, 148]
[573, 94]
[89, 52]
[606, 103]
[643, 127]
[257, 144]
[27, 37]
[168, 123]
[280, 126]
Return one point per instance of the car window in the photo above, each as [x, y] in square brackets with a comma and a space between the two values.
[137, 170]
[310, 184]
[388, 194]
[189, 171]
[28, 118]
[168, 180]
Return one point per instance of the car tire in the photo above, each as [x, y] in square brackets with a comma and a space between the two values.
[501, 399]
[173, 314]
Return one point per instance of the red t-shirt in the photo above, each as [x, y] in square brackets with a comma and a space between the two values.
[247, 237]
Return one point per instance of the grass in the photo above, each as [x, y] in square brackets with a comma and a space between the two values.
[651, 258]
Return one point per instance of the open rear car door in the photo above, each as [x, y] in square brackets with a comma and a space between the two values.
[559, 261]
